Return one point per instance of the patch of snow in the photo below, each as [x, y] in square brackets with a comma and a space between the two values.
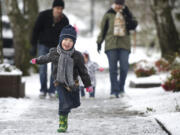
[7, 69]
[76, 21]
[7, 33]
[158, 78]
[5, 18]
[170, 121]
[11, 108]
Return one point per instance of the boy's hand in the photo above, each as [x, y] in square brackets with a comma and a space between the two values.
[89, 89]
[33, 61]
[101, 69]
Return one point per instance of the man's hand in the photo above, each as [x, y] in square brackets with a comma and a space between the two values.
[98, 47]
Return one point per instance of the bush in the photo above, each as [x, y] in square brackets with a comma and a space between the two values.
[173, 82]
[144, 69]
[162, 65]
[145, 72]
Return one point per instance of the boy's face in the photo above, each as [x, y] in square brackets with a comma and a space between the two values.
[67, 44]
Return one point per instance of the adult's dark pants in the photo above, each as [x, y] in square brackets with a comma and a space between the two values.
[43, 50]
[116, 56]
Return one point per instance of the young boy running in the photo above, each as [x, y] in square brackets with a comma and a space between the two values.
[68, 65]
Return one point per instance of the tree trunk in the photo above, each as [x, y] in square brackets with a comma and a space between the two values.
[166, 30]
[1, 38]
[111, 2]
[21, 23]
[92, 16]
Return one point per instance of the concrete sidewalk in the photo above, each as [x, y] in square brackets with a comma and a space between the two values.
[94, 117]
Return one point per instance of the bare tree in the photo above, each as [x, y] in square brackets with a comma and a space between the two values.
[22, 20]
[1, 38]
[92, 16]
[166, 30]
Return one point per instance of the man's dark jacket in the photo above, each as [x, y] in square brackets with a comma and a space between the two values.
[47, 32]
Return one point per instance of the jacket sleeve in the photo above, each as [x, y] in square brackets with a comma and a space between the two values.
[49, 57]
[83, 72]
[66, 20]
[37, 29]
[131, 20]
[103, 29]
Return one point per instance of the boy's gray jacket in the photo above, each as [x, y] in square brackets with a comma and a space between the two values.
[79, 66]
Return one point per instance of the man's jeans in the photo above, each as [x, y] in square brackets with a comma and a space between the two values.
[115, 56]
[43, 50]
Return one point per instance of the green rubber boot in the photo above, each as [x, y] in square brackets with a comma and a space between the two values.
[63, 123]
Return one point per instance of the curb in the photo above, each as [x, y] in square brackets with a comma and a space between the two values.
[163, 126]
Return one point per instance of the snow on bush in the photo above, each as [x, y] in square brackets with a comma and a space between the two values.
[173, 82]
[9, 69]
[144, 69]
[162, 65]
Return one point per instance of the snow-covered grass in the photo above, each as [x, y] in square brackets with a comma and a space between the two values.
[155, 102]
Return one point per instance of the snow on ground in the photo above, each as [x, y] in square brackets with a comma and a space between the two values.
[11, 108]
[155, 102]
[152, 102]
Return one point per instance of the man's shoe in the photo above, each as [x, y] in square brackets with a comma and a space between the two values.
[83, 97]
[122, 94]
[42, 95]
[91, 97]
[52, 95]
[117, 95]
[112, 96]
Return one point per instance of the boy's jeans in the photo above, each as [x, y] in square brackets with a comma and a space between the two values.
[43, 50]
[67, 100]
[115, 56]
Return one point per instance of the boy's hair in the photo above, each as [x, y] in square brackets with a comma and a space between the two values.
[68, 32]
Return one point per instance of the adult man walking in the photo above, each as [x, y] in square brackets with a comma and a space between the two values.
[45, 35]
[115, 29]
